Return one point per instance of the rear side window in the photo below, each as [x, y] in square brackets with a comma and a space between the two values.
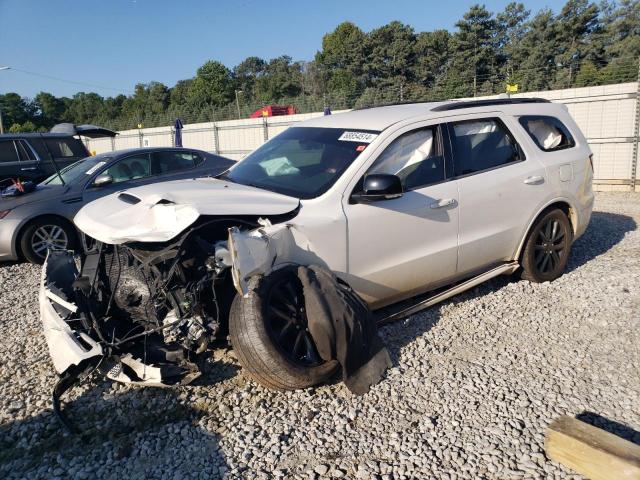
[168, 162]
[548, 133]
[66, 147]
[8, 151]
[415, 157]
[24, 151]
[480, 145]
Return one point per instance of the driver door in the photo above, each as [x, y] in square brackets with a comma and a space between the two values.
[404, 246]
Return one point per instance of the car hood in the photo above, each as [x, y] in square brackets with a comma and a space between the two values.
[41, 193]
[159, 212]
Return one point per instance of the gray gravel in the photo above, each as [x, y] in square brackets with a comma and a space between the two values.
[475, 382]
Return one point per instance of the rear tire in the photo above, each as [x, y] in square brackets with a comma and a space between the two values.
[272, 358]
[44, 233]
[547, 248]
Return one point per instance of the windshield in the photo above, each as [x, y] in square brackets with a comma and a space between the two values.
[301, 162]
[79, 171]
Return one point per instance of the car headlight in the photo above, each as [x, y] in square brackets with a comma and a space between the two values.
[4, 213]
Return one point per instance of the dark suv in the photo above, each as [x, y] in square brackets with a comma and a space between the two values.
[27, 156]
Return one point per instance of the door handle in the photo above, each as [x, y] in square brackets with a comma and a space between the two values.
[445, 202]
[534, 180]
[25, 169]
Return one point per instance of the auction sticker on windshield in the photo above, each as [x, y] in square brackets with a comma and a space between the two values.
[94, 168]
[360, 137]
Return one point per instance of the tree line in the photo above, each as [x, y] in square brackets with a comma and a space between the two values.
[584, 44]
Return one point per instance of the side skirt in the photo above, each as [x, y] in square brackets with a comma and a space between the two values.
[407, 308]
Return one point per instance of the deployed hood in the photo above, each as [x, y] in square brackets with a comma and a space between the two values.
[159, 212]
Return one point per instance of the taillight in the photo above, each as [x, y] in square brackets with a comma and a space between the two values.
[591, 162]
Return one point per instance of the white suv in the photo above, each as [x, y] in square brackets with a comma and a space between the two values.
[397, 201]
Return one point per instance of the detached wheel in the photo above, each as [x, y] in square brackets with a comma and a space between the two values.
[546, 252]
[46, 233]
[269, 334]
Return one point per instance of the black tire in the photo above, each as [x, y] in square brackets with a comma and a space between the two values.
[253, 329]
[547, 249]
[34, 246]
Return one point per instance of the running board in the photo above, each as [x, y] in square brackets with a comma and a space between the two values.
[407, 311]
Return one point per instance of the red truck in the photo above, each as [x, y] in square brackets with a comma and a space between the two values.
[274, 111]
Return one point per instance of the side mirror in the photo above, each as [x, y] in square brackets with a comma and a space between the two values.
[379, 186]
[102, 180]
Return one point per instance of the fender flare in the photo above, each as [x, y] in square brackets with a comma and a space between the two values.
[572, 215]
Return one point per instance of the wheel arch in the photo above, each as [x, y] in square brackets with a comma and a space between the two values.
[18, 237]
[559, 203]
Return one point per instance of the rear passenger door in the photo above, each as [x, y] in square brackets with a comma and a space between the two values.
[172, 164]
[499, 188]
[17, 160]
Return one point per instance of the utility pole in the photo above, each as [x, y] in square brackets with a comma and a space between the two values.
[636, 135]
[238, 102]
[1, 122]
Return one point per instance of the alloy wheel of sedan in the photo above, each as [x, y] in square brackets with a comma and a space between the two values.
[48, 237]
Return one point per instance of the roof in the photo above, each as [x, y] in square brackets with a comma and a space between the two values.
[13, 136]
[143, 150]
[380, 118]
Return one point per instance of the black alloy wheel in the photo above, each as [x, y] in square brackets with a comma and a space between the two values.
[286, 322]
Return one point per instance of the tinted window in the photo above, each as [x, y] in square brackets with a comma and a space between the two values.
[65, 147]
[80, 171]
[130, 168]
[8, 151]
[482, 144]
[302, 162]
[548, 133]
[24, 151]
[167, 162]
[415, 157]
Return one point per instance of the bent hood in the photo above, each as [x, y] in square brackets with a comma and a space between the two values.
[159, 212]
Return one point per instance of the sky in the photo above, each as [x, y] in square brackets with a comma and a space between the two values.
[107, 46]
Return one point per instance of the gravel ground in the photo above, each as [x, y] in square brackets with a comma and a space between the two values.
[475, 382]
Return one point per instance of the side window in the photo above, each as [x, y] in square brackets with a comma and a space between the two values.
[8, 151]
[415, 157]
[24, 151]
[548, 133]
[482, 144]
[130, 168]
[168, 162]
[66, 147]
[198, 158]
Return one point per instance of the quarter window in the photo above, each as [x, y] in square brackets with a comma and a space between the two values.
[482, 145]
[24, 151]
[548, 133]
[65, 147]
[415, 157]
[130, 168]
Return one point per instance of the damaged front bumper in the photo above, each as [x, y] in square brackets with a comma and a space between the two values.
[71, 332]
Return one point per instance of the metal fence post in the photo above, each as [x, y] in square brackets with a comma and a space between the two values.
[113, 143]
[216, 139]
[636, 135]
[265, 129]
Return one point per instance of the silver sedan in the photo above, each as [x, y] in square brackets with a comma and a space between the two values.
[34, 222]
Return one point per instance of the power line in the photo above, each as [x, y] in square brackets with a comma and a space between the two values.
[73, 82]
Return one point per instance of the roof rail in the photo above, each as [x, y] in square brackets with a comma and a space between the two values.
[486, 103]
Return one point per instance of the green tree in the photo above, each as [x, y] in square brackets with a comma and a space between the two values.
[26, 127]
[16, 109]
[577, 20]
[50, 109]
[343, 50]
[85, 107]
[282, 78]
[247, 72]
[474, 56]
[390, 55]
[431, 53]
[512, 27]
[213, 85]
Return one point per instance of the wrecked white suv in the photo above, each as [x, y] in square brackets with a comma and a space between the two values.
[405, 205]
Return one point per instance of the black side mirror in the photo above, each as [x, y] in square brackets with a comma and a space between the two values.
[379, 186]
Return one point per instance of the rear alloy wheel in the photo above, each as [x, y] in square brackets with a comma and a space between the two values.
[547, 249]
[44, 234]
